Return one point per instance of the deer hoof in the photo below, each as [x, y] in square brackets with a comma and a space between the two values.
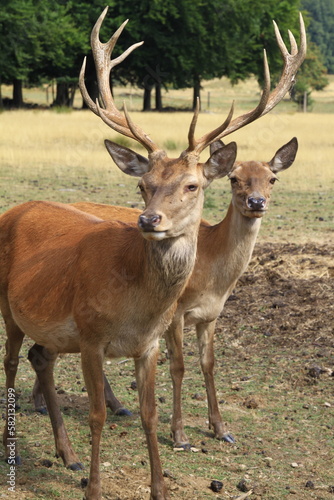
[182, 447]
[42, 410]
[76, 466]
[123, 412]
[228, 438]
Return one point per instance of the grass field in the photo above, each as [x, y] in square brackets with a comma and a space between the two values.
[61, 156]
[277, 328]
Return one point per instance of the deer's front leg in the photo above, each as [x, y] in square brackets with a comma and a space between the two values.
[145, 375]
[205, 337]
[92, 359]
[174, 341]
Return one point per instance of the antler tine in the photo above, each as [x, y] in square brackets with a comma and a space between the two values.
[199, 145]
[191, 133]
[293, 44]
[83, 89]
[239, 122]
[104, 64]
[292, 63]
[95, 107]
[268, 100]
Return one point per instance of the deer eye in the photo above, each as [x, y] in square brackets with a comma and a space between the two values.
[273, 180]
[233, 180]
[192, 187]
[140, 187]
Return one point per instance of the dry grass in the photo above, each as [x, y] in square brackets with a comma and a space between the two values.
[216, 95]
[39, 140]
[48, 154]
[45, 140]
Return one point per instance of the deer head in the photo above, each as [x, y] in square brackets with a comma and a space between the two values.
[252, 181]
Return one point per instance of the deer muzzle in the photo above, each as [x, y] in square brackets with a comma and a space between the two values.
[149, 226]
[257, 203]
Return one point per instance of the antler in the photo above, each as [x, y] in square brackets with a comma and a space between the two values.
[268, 100]
[124, 125]
[104, 64]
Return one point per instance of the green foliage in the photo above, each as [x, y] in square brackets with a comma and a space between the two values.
[19, 45]
[38, 39]
[312, 76]
[190, 41]
[321, 28]
[186, 41]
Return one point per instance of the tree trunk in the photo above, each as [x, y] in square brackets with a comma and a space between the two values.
[17, 94]
[90, 80]
[158, 98]
[196, 91]
[62, 95]
[147, 98]
[72, 90]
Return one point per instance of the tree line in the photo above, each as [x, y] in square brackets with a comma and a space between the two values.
[186, 42]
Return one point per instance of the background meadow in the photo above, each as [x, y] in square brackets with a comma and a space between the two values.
[59, 155]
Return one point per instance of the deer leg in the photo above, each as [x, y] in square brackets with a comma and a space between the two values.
[112, 402]
[92, 368]
[145, 376]
[43, 363]
[38, 398]
[11, 361]
[205, 336]
[174, 339]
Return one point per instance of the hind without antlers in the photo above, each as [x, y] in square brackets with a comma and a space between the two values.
[73, 282]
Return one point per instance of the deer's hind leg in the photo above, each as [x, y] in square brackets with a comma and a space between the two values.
[43, 363]
[11, 361]
[111, 401]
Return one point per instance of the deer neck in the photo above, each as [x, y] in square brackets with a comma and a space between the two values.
[232, 243]
[169, 264]
[240, 232]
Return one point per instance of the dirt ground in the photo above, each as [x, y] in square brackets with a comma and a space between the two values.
[294, 284]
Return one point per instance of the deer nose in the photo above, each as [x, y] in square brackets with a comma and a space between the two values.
[256, 203]
[149, 223]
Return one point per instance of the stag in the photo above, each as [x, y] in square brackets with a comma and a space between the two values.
[75, 283]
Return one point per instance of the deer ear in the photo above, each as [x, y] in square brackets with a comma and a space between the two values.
[216, 145]
[284, 157]
[128, 161]
[221, 161]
